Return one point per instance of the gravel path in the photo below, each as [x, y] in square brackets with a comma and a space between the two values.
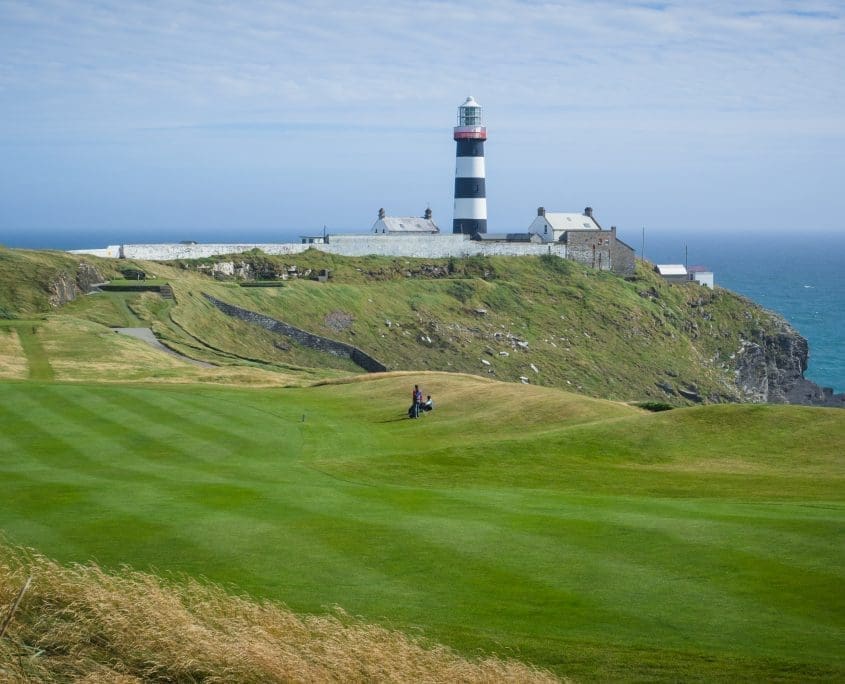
[147, 336]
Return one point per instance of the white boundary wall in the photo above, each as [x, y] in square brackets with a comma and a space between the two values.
[419, 246]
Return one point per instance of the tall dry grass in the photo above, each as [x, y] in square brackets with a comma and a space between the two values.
[80, 623]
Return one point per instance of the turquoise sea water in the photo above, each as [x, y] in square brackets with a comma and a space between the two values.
[801, 277]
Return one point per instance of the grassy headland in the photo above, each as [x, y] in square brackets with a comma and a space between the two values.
[550, 321]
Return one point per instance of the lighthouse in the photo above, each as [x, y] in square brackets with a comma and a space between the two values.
[470, 195]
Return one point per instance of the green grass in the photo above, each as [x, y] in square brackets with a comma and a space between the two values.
[583, 330]
[111, 309]
[36, 357]
[596, 539]
[140, 284]
[30, 279]
[552, 321]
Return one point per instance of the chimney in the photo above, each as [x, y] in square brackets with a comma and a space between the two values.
[541, 211]
[427, 214]
[588, 211]
[381, 213]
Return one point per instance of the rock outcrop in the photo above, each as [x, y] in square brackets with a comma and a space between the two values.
[64, 287]
[771, 370]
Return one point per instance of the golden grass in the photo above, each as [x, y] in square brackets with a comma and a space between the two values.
[13, 365]
[80, 623]
[81, 351]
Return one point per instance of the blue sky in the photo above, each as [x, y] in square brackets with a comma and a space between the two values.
[245, 119]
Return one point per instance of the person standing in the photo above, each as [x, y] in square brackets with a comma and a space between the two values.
[416, 400]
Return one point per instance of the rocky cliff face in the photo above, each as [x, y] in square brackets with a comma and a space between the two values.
[64, 287]
[771, 369]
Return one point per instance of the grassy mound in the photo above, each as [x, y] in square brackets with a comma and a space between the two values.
[83, 624]
[588, 537]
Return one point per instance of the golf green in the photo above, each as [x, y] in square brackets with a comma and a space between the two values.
[584, 536]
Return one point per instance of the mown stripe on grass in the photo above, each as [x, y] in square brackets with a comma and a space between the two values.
[604, 560]
[36, 356]
[559, 575]
[61, 445]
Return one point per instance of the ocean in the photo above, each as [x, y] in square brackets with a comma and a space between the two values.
[800, 277]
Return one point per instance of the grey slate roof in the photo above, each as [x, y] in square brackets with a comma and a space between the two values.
[405, 224]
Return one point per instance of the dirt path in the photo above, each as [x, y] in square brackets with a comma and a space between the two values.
[147, 336]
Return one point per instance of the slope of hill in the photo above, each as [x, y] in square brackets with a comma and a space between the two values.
[34, 282]
[543, 321]
[585, 536]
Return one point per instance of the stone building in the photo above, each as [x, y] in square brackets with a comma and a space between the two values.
[405, 225]
[553, 225]
[586, 241]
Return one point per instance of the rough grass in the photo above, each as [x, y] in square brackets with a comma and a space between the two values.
[30, 336]
[82, 623]
[109, 309]
[27, 278]
[12, 356]
[552, 322]
[595, 539]
[582, 330]
[78, 350]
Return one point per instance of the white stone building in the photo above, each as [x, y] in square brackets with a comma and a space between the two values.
[553, 226]
[405, 225]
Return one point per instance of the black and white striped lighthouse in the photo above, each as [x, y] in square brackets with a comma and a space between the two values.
[470, 195]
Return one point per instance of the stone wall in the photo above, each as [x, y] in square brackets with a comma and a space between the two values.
[110, 252]
[592, 248]
[420, 246]
[431, 246]
[623, 257]
[306, 339]
[166, 252]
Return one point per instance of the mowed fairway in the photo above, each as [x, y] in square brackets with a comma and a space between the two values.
[584, 536]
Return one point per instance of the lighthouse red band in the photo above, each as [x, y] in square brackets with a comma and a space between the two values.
[470, 214]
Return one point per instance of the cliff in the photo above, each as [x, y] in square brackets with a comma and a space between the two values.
[771, 369]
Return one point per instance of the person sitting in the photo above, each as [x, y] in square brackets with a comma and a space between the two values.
[428, 404]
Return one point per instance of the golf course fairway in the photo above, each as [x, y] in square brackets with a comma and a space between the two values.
[584, 536]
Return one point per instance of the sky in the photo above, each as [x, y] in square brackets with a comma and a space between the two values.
[246, 120]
